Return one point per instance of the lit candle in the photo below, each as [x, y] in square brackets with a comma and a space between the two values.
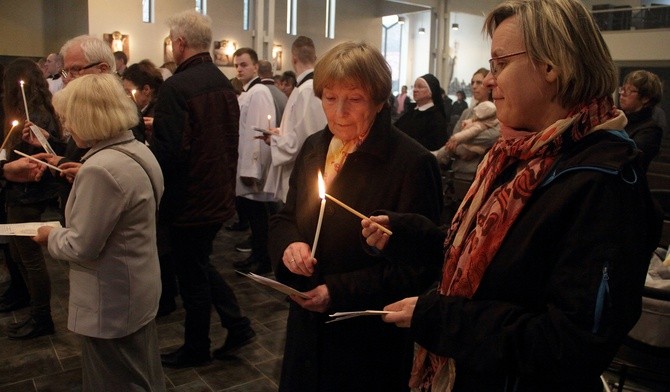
[14, 124]
[25, 103]
[269, 122]
[358, 214]
[322, 195]
[132, 94]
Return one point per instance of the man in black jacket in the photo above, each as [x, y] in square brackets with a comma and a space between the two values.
[196, 136]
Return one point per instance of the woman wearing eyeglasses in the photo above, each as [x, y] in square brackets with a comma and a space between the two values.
[640, 93]
[545, 260]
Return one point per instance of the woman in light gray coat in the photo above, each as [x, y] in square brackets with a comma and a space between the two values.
[110, 239]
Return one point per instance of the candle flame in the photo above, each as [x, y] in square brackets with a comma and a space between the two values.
[269, 117]
[15, 123]
[322, 186]
[21, 82]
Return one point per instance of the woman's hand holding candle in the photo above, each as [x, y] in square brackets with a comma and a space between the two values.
[298, 259]
[28, 136]
[373, 233]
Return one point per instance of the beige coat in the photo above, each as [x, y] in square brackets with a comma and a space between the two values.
[110, 240]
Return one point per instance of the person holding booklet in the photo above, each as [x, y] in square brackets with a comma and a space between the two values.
[367, 164]
[109, 239]
[27, 97]
[546, 258]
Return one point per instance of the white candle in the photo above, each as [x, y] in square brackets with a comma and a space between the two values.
[322, 195]
[269, 122]
[14, 124]
[25, 103]
[358, 214]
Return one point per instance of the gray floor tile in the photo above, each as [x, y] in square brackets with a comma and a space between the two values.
[53, 363]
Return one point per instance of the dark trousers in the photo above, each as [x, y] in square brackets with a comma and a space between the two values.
[166, 260]
[259, 213]
[242, 215]
[201, 286]
[17, 289]
[30, 259]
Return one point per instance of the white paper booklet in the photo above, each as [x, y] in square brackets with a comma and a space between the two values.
[25, 229]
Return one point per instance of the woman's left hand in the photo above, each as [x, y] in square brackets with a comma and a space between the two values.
[319, 300]
[402, 312]
[372, 232]
[298, 259]
[42, 236]
[70, 170]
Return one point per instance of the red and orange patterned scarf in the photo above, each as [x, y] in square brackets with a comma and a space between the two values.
[486, 214]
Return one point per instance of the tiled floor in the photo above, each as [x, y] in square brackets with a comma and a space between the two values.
[52, 363]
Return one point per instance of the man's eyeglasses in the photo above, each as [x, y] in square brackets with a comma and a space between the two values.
[495, 65]
[74, 71]
[626, 91]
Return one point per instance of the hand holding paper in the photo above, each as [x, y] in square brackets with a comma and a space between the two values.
[273, 284]
[401, 312]
[339, 316]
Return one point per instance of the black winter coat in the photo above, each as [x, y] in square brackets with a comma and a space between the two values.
[646, 134]
[428, 127]
[389, 170]
[195, 141]
[565, 286]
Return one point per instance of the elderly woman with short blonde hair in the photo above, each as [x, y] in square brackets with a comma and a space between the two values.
[110, 238]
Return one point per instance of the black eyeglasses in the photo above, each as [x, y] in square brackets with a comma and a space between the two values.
[496, 66]
[74, 71]
[627, 91]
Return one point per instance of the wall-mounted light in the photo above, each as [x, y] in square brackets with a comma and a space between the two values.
[223, 52]
[277, 56]
[422, 31]
[454, 26]
[118, 42]
[167, 50]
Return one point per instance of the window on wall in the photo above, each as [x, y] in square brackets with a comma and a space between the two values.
[292, 17]
[246, 12]
[392, 38]
[201, 6]
[148, 11]
[330, 19]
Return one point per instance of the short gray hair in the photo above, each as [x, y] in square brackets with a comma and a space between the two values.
[94, 50]
[194, 27]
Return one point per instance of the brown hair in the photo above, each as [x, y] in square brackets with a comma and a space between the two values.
[563, 34]
[354, 63]
[648, 86]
